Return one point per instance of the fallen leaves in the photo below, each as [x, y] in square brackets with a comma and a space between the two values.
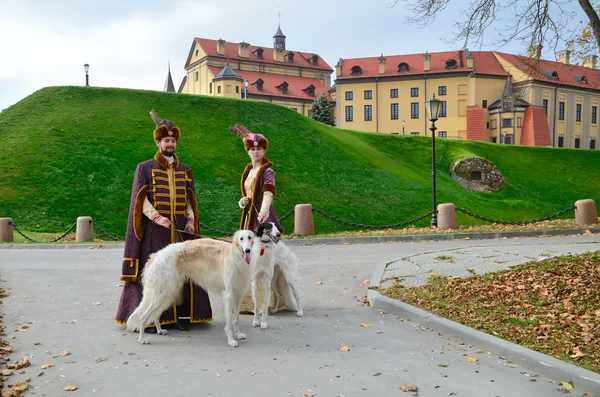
[24, 363]
[309, 394]
[566, 385]
[70, 388]
[472, 359]
[365, 325]
[46, 366]
[367, 282]
[345, 348]
[409, 387]
[7, 372]
[319, 282]
[64, 353]
[577, 353]
[96, 303]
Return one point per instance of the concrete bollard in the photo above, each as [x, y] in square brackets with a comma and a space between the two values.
[447, 216]
[585, 212]
[84, 231]
[7, 234]
[303, 220]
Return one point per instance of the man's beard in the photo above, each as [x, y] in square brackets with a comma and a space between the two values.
[168, 152]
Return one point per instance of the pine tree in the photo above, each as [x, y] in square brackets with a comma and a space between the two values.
[322, 110]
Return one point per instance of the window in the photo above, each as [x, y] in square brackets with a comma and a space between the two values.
[545, 105]
[196, 52]
[259, 53]
[348, 95]
[442, 90]
[493, 124]
[210, 88]
[394, 93]
[414, 110]
[368, 94]
[259, 84]
[592, 144]
[218, 89]
[403, 67]
[494, 139]
[414, 133]
[451, 64]
[355, 71]
[349, 113]
[487, 125]
[283, 87]
[237, 89]
[484, 104]
[368, 112]
[519, 122]
[577, 143]
[290, 57]
[442, 134]
[561, 110]
[394, 111]
[578, 112]
[414, 92]
[196, 76]
[594, 114]
[443, 109]
[294, 109]
[506, 122]
[561, 141]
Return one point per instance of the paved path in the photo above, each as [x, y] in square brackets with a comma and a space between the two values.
[53, 291]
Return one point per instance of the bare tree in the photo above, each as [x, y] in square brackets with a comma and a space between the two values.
[532, 22]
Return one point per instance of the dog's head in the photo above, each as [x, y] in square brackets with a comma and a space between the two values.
[242, 240]
[268, 229]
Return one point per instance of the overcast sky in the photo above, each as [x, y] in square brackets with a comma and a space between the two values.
[128, 43]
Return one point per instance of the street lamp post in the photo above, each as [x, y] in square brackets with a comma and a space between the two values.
[245, 89]
[402, 127]
[433, 107]
[87, 69]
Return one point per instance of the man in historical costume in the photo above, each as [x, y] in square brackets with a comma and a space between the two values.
[163, 200]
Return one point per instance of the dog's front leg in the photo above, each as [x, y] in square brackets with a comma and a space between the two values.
[266, 301]
[277, 294]
[255, 321]
[228, 318]
[236, 317]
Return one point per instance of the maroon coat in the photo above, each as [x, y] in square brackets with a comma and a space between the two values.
[144, 237]
[265, 182]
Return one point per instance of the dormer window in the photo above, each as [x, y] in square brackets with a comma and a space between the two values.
[310, 90]
[403, 67]
[259, 53]
[356, 70]
[580, 79]
[314, 60]
[290, 57]
[451, 64]
[551, 73]
[283, 87]
[259, 84]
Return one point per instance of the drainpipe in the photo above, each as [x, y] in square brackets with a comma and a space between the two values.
[554, 116]
[376, 105]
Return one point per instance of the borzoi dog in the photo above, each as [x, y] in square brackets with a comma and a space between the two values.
[216, 266]
[263, 264]
[284, 282]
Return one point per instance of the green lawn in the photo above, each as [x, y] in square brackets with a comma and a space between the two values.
[72, 151]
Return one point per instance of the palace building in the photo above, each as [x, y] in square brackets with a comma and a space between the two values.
[487, 96]
[240, 70]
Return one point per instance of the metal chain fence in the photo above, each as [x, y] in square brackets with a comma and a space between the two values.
[112, 236]
[286, 214]
[215, 230]
[64, 234]
[21, 233]
[556, 215]
[391, 226]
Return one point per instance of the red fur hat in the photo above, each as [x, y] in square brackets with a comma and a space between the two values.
[250, 139]
[166, 128]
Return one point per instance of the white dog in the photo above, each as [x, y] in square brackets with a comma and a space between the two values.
[284, 282]
[263, 266]
[216, 266]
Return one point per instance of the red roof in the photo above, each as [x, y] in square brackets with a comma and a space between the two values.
[270, 82]
[301, 59]
[484, 62]
[565, 73]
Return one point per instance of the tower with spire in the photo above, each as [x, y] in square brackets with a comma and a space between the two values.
[169, 86]
[279, 38]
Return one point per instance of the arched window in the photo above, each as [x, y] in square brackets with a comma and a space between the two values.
[403, 67]
[451, 64]
[356, 70]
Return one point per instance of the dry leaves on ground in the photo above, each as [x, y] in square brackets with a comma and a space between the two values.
[409, 387]
[365, 325]
[345, 348]
[550, 306]
[70, 388]
[46, 366]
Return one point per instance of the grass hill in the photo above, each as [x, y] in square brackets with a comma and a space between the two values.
[72, 151]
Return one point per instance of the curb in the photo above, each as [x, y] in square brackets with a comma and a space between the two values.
[351, 240]
[553, 368]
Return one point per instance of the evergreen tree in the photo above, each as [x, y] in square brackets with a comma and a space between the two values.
[322, 110]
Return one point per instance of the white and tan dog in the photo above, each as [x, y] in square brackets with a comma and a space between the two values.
[217, 266]
[263, 267]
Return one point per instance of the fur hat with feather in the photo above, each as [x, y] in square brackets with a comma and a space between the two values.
[250, 139]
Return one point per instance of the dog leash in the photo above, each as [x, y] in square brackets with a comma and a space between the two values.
[199, 236]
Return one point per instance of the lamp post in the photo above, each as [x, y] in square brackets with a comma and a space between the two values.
[402, 127]
[433, 107]
[245, 89]
[87, 69]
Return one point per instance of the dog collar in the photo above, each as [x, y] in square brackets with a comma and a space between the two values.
[262, 250]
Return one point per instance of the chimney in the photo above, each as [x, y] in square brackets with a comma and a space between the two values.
[338, 68]
[469, 60]
[381, 60]
[278, 54]
[221, 47]
[590, 61]
[243, 50]
[535, 51]
[563, 56]
[426, 62]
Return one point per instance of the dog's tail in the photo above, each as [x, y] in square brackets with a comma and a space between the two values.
[287, 296]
